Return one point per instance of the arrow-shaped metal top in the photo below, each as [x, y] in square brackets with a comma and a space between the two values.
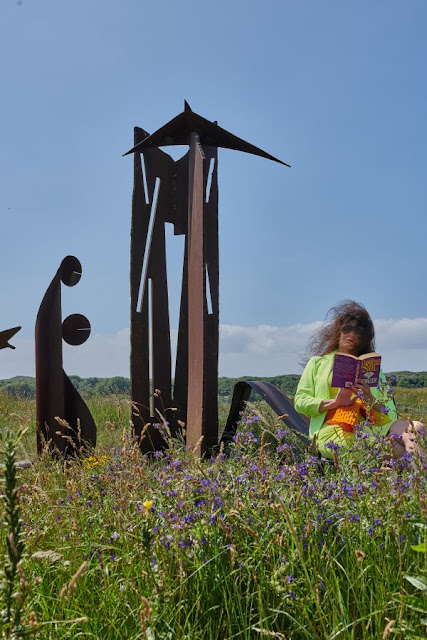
[178, 130]
[6, 335]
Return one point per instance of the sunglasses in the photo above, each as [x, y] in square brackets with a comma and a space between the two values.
[354, 328]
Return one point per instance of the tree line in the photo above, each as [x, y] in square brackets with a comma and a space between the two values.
[24, 386]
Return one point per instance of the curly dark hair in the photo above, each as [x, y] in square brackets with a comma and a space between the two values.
[346, 316]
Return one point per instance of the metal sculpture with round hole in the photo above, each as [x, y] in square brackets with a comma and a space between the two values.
[64, 423]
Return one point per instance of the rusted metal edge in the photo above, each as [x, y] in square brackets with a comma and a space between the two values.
[278, 401]
[178, 131]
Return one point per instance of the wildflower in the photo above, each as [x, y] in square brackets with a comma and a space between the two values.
[332, 445]
[147, 504]
[115, 535]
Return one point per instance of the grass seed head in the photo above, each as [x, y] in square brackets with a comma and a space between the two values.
[360, 555]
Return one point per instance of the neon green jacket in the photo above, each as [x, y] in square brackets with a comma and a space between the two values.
[314, 386]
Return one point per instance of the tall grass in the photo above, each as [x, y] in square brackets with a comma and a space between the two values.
[260, 543]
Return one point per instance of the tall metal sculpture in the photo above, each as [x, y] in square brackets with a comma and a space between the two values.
[6, 335]
[184, 193]
[56, 397]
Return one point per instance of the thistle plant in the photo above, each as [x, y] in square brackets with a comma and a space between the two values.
[13, 597]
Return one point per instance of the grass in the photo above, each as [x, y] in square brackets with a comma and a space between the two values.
[262, 543]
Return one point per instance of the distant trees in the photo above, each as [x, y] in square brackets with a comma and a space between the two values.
[286, 383]
[24, 387]
[21, 387]
[411, 380]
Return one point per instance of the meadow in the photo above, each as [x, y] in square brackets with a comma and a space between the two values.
[264, 542]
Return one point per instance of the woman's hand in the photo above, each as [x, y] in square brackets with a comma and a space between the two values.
[364, 392]
[344, 398]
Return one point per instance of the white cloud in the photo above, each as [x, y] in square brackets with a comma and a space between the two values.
[251, 351]
[407, 333]
[263, 350]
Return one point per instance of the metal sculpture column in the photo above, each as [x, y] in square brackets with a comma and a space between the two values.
[56, 397]
[187, 197]
[203, 307]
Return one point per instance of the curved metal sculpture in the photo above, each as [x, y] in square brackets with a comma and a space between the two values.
[6, 335]
[278, 401]
[184, 193]
[64, 422]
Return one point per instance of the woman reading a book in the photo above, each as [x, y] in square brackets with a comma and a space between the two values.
[336, 413]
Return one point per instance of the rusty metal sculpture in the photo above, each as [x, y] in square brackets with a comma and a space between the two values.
[56, 397]
[184, 193]
[276, 399]
[6, 335]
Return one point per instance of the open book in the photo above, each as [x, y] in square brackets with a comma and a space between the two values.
[350, 369]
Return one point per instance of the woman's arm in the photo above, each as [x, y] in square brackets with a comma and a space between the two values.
[305, 400]
[344, 398]
[308, 403]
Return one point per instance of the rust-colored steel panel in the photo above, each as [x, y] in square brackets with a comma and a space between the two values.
[211, 310]
[139, 345]
[196, 300]
[6, 335]
[56, 397]
[196, 373]
[151, 369]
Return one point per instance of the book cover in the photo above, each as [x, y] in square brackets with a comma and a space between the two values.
[369, 370]
[349, 369]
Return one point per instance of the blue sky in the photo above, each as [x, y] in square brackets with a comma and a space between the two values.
[336, 89]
